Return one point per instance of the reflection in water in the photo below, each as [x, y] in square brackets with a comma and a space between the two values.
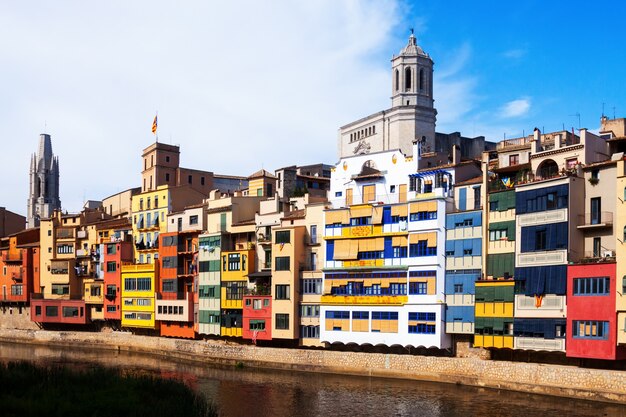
[261, 393]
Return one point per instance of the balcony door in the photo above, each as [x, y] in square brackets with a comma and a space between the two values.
[595, 210]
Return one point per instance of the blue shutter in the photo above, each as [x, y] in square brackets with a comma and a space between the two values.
[477, 249]
[458, 248]
[388, 248]
[462, 198]
[330, 250]
[386, 215]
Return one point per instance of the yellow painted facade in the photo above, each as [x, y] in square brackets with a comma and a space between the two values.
[487, 341]
[149, 217]
[138, 297]
[235, 267]
[494, 310]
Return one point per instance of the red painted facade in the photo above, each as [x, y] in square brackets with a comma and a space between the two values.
[59, 311]
[592, 308]
[115, 254]
[18, 261]
[256, 309]
[168, 261]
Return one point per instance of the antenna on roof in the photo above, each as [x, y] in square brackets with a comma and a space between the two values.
[613, 112]
[603, 109]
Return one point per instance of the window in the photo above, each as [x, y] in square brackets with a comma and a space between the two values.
[592, 286]
[421, 249]
[421, 78]
[360, 315]
[396, 75]
[384, 315]
[234, 290]
[65, 249]
[282, 263]
[312, 286]
[111, 309]
[193, 220]
[310, 332]
[167, 177]
[189, 179]
[423, 215]
[340, 193]
[52, 311]
[595, 174]
[464, 223]
[392, 189]
[458, 288]
[313, 233]
[310, 310]
[169, 285]
[60, 289]
[360, 221]
[201, 180]
[234, 261]
[257, 325]
[340, 315]
[418, 288]
[282, 321]
[499, 234]
[596, 206]
[96, 291]
[540, 239]
[111, 249]
[111, 266]
[283, 236]
[422, 328]
[111, 290]
[590, 329]
[282, 292]
[407, 79]
[70, 311]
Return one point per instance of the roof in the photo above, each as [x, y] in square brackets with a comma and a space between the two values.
[599, 164]
[315, 177]
[412, 48]
[260, 274]
[113, 224]
[512, 168]
[296, 214]
[262, 173]
[219, 209]
[476, 180]
[245, 223]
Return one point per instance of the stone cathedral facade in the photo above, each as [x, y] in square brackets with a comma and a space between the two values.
[43, 196]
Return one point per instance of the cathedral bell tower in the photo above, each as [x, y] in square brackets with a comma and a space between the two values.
[43, 196]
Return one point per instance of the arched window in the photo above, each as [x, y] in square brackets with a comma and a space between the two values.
[407, 79]
[397, 75]
[374, 132]
[422, 79]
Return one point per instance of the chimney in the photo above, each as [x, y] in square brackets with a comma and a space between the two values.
[536, 147]
[456, 154]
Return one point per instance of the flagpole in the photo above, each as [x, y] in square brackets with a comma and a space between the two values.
[157, 129]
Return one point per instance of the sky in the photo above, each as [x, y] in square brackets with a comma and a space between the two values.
[245, 85]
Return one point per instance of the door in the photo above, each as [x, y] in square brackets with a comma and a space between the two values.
[348, 196]
[402, 194]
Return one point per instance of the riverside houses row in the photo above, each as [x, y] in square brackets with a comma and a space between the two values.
[519, 251]
[413, 239]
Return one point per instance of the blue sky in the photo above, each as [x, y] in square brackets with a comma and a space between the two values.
[267, 84]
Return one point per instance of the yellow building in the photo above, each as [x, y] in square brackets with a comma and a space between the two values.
[494, 314]
[235, 267]
[150, 210]
[261, 184]
[139, 282]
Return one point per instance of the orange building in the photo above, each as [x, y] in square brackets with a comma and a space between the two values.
[19, 258]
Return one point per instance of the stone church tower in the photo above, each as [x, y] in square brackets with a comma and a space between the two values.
[412, 116]
[43, 197]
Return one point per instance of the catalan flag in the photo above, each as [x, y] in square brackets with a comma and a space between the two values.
[154, 125]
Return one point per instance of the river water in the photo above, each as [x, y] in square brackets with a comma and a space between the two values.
[258, 393]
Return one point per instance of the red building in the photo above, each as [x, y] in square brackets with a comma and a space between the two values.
[178, 259]
[115, 254]
[257, 316]
[58, 311]
[591, 316]
[19, 260]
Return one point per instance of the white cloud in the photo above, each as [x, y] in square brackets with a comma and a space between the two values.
[237, 85]
[516, 108]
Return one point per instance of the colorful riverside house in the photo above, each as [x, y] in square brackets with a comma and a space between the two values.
[139, 282]
[548, 208]
[620, 252]
[117, 241]
[178, 256]
[383, 275]
[463, 257]
[67, 258]
[229, 239]
[592, 283]
[19, 259]
[149, 210]
[503, 170]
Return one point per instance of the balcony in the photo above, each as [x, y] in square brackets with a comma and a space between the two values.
[594, 257]
[259, 290]
[595, 220]
[532, 343]
[64, 234]
[511, 144]
[13, 257]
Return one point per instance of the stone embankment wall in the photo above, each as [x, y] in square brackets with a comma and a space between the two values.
[16, 318]
[595, 384]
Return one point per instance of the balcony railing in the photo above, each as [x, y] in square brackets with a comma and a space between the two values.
[260, 290]
[514, 143]
[13, 257]
[597, 219]
[65, 233]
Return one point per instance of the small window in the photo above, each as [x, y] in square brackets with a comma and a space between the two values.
[189, 179]
[193, 220]
[392, 189]
[167, 159]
